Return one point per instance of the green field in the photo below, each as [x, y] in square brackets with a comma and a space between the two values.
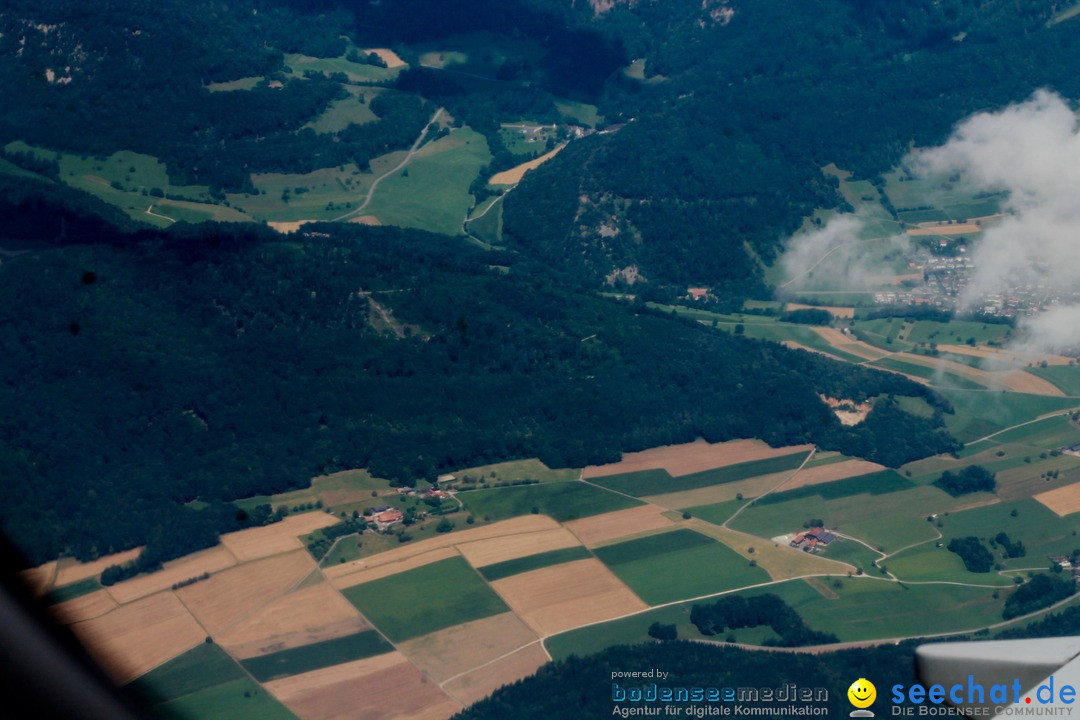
[356, 72]
[559, 500]
[323, 489]
[656, 482]
[578, 112]
[432, 193]
[1050, 433]
[982, 413]
[516, 471]
[200, 668]
[891, 520]
[863, 609]
[929, 562]
[318, 195]
[239, 699]
[429, 598]
[125, 179]
[204, 682]
[488, 227]
[501, 570]
[352, 110]
[318, 655]
[956, 332]
[72, 591]
[635, 629]
[1042, 532]
[851, 552]
[678, 564]
[952, 199]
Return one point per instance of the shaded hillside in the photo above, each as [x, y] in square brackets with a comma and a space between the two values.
[215, 363]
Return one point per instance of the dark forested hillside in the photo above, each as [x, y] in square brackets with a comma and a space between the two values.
[217, 363]
[720, 158]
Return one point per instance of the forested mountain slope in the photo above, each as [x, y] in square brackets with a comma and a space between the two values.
[216, 364]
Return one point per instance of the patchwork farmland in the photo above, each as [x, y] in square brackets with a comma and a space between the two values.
[558, 561]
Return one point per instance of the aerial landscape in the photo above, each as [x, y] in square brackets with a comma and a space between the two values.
[408, 359]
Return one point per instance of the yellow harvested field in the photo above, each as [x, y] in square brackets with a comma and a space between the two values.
[88, 606]
[1015, 380]
[513, 175]
[69, 571]
[134, 639]
[228, 597]
[361, 571]
[598, 528]
[944, 229]
[839, 312]
[1063, 500]
[1011, 357]
[275, 538]
[495, 550]
[385, 686]
[38, 580]
[388, 56]
[690, 458]
[449, 652]
[561, 597]
[780, 561]
[849, 344]
[481, 682]
[750, 488]
[348, 574]
[210, 561]
[830, 473]
[1024, 382]
[365, 220]
[302, 617]
[288, 228]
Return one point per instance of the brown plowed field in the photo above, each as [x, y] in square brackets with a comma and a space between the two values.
[598, 528]
[70, 572]
[692, 457]
[449, 652]
[383, 687]
[750, 488]
[88, 606]
[134, 639]
[276, 538]
[361, 572]
[355, 572]
[212, 561]
[481, 682]
[488, 552]
[561, 597]
[830, 473]
[228, 597]
[303, 617]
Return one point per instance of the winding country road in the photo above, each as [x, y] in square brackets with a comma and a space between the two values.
[409, 156]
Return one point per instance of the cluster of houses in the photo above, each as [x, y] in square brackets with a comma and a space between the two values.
[1066, 565]
[811, 539]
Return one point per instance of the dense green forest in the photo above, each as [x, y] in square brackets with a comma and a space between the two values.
[218, 362]
[728, 137]
[711, 160]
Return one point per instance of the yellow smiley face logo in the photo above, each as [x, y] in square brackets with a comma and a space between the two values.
[862, 693]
